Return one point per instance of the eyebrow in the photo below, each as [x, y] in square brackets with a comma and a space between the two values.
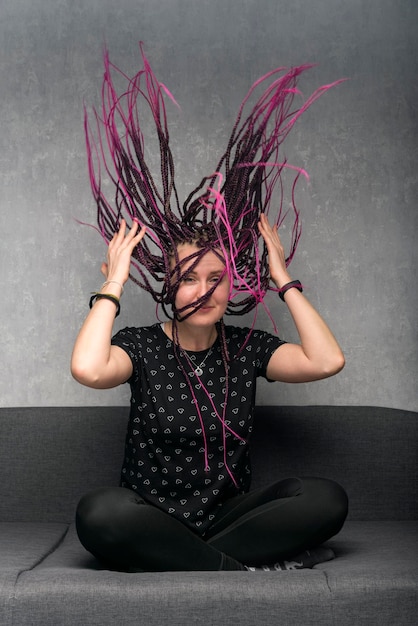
[214, 273]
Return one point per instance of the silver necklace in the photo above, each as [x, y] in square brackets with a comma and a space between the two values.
[199, 369]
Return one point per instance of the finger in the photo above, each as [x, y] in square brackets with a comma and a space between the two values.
[133, 232]
[264, 220]
[133, 229]
[132, 243]
[121, 238]
[264, 223]
[113, 238]
[265, 229]
[141, 234]
[120, 234]
[268, 231]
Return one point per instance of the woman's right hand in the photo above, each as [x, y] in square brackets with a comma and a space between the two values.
[119, 252]
[95, 362]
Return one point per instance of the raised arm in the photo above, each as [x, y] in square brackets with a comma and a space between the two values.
[318, 355]
[95, 362]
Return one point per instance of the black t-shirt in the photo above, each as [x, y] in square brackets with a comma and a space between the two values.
[186, 452]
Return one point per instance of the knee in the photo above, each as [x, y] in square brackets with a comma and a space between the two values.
[89, 516]
[92, 506]
[337, 502]
[95, 516]
[331, 498]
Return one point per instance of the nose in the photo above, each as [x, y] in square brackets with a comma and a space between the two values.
[203, 288]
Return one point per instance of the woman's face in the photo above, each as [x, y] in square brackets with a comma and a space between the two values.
[198, 282]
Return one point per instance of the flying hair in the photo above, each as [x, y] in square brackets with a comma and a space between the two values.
[221, 214]
[223, 211]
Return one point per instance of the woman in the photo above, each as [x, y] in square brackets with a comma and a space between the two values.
[139, 526]
[184, 501]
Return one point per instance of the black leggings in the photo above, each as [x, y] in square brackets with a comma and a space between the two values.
[259, 528]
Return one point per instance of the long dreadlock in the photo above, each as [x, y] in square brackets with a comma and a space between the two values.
[224, 209]
[221, 214]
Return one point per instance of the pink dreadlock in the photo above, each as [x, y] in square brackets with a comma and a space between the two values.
[223, 211]
[221, 214]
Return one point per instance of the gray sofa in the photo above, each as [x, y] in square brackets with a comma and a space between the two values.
[50, 456]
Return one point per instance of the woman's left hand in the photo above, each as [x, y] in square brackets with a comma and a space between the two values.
[276, 254]
[318, 355]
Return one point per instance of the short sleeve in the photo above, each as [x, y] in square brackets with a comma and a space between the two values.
[267, 344]
[129, 340]
[253, 344]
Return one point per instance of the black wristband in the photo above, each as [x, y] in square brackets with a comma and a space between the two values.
[293, 284]
[105, 296]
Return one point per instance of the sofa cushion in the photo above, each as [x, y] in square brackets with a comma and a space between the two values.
[376, 573]
[67, 597]
[371, 451]
[70, 585]
[7, 587]
[22, 547]
[376, 563]
[51, 456]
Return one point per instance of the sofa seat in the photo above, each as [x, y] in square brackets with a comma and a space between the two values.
[375, 577]
[375, 572]
[22, 547]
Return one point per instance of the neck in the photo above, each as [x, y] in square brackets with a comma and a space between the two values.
[193, 339]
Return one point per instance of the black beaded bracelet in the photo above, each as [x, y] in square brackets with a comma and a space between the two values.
[105, 296]
[294, 283]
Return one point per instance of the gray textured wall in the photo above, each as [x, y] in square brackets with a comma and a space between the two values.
[357, 256]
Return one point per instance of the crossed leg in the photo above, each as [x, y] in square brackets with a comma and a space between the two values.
[280, 521]
[263, 526]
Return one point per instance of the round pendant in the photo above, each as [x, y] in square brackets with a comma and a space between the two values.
[198, 371]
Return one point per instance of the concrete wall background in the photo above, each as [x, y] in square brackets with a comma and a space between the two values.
[357, 255]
